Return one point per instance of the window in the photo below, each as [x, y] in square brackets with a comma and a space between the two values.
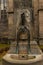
[3, 4]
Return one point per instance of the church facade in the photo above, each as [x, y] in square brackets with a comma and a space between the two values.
[11, 8]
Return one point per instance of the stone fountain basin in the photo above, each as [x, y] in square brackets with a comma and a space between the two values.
[35, 57]
[13, 58]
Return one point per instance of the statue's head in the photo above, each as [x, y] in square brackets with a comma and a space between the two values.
[23, 18]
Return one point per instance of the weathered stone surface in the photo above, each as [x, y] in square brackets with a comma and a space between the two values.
[41, 24]
[40, 4]
[10, 6]
[36, 63]
[11, 26]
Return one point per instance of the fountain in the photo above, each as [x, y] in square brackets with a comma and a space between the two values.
[24, 50]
